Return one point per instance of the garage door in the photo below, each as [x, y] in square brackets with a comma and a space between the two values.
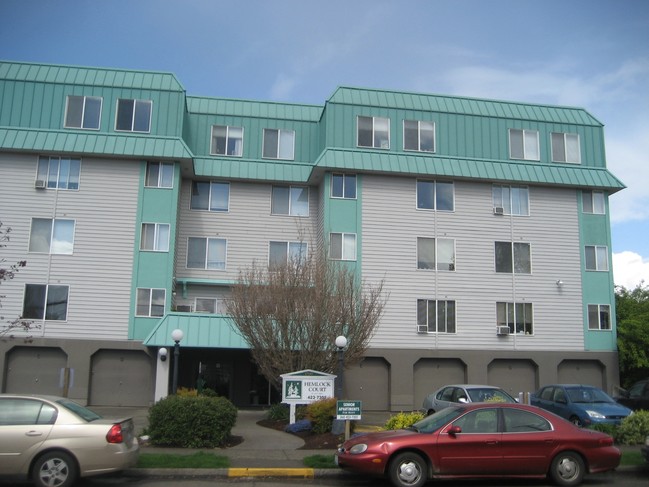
[369, 382]
[431, 374]
[121, 378]
[581, 372]
[513, 375]
[35, 370]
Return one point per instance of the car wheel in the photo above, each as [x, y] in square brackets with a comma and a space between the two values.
[55, 468]
[408, 470]
[567, 469]
[576, 421]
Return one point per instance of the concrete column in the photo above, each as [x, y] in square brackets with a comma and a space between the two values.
[162, 377]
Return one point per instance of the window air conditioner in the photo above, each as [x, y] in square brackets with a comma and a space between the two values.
[503, 330]
[184, 308]
[499, 210]
[39, 184]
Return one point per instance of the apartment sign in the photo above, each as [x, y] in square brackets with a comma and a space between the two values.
[307, 386]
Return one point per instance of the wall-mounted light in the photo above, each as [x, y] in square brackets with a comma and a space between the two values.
[559, 283]
[162, 353]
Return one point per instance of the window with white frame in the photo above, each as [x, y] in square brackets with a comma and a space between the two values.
[435, 316]
[133, 115]
[436, 253]
[209, 305]
[155, 237]
[58, 173]
[513, 257]
[514, 200]
[150, 302]
[290, 200]
[279, 144]
[281, 253]
[159, 175]
[517, 316]
[594, 202]
[343, 186]
[210, 196]
[83, 112]
[206, 253]
[45, 302]
[51, 236]
[227, 141]
[524, 144]
[565, 147]
[342, 246]
[373, 132]
[599, 317]
[419, 136]
[596, 258]
[435, 195]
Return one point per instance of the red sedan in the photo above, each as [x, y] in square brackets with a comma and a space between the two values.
[482, 440]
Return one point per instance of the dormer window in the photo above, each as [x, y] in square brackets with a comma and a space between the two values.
[83, 112]
[133, 115]
[374, 132]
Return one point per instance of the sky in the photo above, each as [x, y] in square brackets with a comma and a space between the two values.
[592, 54]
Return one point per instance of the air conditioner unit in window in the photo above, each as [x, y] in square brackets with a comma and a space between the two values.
[502, 330]
[184, 308]
[39, 184]
[499, 210]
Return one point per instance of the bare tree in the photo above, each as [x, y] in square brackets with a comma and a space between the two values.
[290, 315]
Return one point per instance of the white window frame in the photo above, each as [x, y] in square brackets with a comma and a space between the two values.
[595, 313]
[160, 240]
[61, 173]
[145, 298]
[568, 139]
[594, 202]
[345, 249]
[297, 250]
[424, 322]
[46, 302]
[82, 115]
[137, 106]
[162, 177]
[437, 265]
[294, 192]
[219, 304]
[516, 256]
[221, 263]
[419, 137]
[347, 186]
[514, 200]
[531, 152]
[215, 188]
[377, 141]
[238, 152]
[282, 138]
[600, 255]
[56, 227]
[436, 198]
[508, 313]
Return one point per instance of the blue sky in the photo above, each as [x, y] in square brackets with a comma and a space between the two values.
[592, 54]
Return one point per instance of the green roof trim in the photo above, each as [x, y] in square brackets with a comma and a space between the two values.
[132, 146]
[205, 331]
[462, 105]
[254, 109]
[252, 169]
[505, 171]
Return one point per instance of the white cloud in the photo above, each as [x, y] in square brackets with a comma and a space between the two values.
[630, 269]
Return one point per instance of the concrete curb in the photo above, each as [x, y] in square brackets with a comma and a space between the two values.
[235, 472]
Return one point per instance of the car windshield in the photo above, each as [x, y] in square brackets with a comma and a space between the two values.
[437, 420]
[588, 394]
[79, 410]
[487, 394]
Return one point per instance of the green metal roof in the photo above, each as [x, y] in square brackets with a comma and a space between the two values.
[113, 78]
[252, 169]
[461, 105]
[93, 143]
[255, 109]
[517, 172]
[200, 331]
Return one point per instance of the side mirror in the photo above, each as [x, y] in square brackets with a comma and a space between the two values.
[462, 400]
[454, 430]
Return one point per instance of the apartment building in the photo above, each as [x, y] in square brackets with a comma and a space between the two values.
[136, 205]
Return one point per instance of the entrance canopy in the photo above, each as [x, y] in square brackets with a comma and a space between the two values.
[199, 331]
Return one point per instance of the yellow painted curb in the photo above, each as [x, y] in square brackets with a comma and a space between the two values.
[306, 473]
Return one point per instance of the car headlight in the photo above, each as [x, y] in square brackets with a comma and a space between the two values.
[595, 414]
[359, 448]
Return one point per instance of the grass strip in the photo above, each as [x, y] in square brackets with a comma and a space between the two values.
[195, 460]
[320, 461]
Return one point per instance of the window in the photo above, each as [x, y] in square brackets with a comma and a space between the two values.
[513, 257]
[210, 195]
[51, 236]
[342, 246]
[519, 421]
[155, 236]
[435, 316]
[83, 112]
[524, 144]
[227, 141]
[599, 317]
[280, 253]
[58, 172]
[374, 132]
[418, 136]
[431, 251]
[279, 144]
[159, 175]
[482, 421]
[594, 202]
[43, 301]
[133, 115]
[209, 305]
[206, 253]
[150, 302]
[435, 195]
[290, 200]
[517, 316]
[565, 148]
[596, 258]
[514, 200]
[343, 186]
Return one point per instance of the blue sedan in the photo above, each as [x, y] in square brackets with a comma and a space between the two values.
[582, 404]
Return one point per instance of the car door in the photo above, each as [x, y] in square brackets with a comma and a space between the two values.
[527, 442]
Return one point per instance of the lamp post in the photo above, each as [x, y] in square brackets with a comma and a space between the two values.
[341, 343]
[176, 336]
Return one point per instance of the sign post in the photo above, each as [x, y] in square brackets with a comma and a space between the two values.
[348, 410]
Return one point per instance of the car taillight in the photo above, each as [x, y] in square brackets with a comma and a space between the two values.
[606, 441]
[115, 435]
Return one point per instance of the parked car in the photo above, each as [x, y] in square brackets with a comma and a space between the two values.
[53, 441]
[645, 449]
[583, 405]
[463, 393]
[482, 440]
[637, 397]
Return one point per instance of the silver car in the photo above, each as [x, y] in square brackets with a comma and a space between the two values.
[54, 441]
[455, 393]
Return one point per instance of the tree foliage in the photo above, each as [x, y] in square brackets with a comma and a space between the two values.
[632, 313]
[290, 315]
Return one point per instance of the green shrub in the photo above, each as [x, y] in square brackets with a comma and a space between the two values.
[634, 429]
[609, 429]
[321, 414]
[191, 421]
[279, 412]
[403, 420]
